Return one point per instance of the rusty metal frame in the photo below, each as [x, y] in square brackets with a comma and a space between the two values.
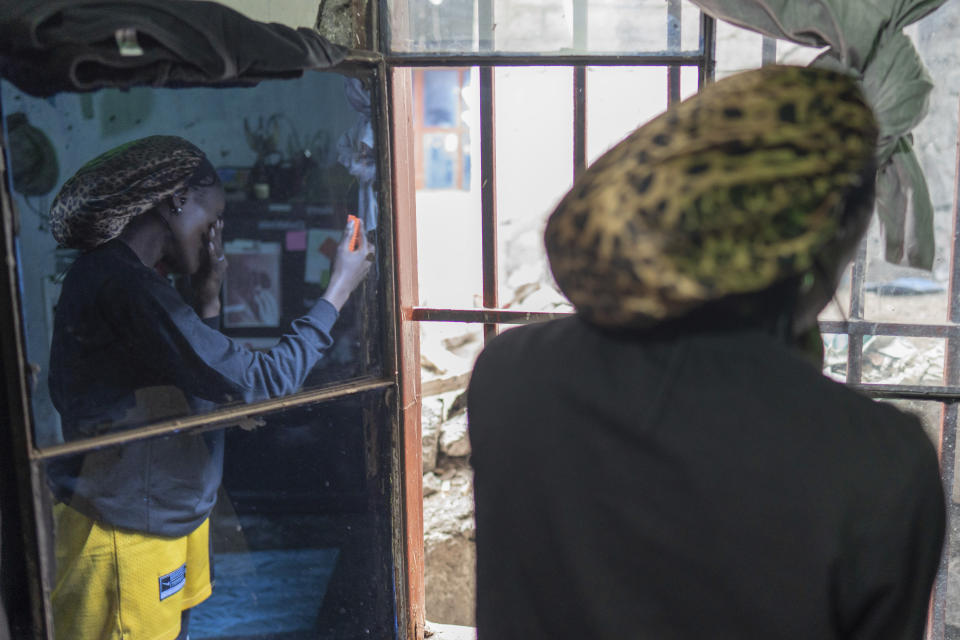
[408, 360]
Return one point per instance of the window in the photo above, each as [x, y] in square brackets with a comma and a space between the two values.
[543, 103]
[546, 102]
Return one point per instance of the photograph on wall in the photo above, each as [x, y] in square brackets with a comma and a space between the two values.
[251, 290]
[321, 251]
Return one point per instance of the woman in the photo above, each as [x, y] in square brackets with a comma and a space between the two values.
[667, 463]
[132, 542]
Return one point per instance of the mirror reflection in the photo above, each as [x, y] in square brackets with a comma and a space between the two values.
[292, 544]
[185, 249]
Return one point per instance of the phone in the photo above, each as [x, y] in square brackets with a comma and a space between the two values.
[355, 239]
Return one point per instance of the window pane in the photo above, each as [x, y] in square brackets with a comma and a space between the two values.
[543, 26]
[448, 196]
[447, 353]
[534, 121]
[835, 349]
[299, 532]
[295, 157]
[618, 101]
[741, 49]
[441, 95]
[907, 361]
[689, 82]
[448, 248]
[633, 26]
[897, 293]
[737, 49]
[901, 294]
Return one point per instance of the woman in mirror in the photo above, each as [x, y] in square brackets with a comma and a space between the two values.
[132, 542]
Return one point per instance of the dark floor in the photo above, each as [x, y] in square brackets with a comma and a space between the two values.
[264, 594]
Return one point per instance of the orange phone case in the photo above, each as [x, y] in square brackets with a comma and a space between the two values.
[355, 239]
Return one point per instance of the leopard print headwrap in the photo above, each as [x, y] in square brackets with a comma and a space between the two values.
[106, 193]
[726, 193]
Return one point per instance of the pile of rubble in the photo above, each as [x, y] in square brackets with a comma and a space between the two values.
[449, 531]
[889, 360]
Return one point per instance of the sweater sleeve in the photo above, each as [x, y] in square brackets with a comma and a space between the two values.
[166, 335]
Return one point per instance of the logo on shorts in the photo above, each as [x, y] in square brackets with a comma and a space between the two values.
[173, 582]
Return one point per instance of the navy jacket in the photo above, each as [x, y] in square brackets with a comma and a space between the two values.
[127, 350]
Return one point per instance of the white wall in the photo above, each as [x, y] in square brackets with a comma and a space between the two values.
[293, 13]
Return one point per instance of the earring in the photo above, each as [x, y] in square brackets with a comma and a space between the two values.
[178, 210]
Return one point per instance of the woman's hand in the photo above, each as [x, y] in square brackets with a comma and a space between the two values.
[208, 280]
[349, 267]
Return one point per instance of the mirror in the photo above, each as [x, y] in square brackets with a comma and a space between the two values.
[295, 158]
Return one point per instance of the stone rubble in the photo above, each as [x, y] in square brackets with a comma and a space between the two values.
[449, 530]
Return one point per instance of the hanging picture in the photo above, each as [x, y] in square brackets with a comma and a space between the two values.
[252, 286]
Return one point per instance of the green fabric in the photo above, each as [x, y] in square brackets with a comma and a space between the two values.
[865, 37]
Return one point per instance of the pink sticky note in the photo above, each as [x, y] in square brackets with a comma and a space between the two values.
[296, 240]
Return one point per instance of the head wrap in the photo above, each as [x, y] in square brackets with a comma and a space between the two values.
[106, 193]
[726, 193]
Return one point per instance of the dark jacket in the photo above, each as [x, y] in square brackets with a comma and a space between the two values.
[693, 485]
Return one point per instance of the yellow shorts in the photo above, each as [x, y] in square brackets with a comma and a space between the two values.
[114, 584]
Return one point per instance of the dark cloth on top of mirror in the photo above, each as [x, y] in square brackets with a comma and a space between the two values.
[81, 45]
[128, 350]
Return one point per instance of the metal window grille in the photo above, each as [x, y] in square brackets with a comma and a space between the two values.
[856, 327]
